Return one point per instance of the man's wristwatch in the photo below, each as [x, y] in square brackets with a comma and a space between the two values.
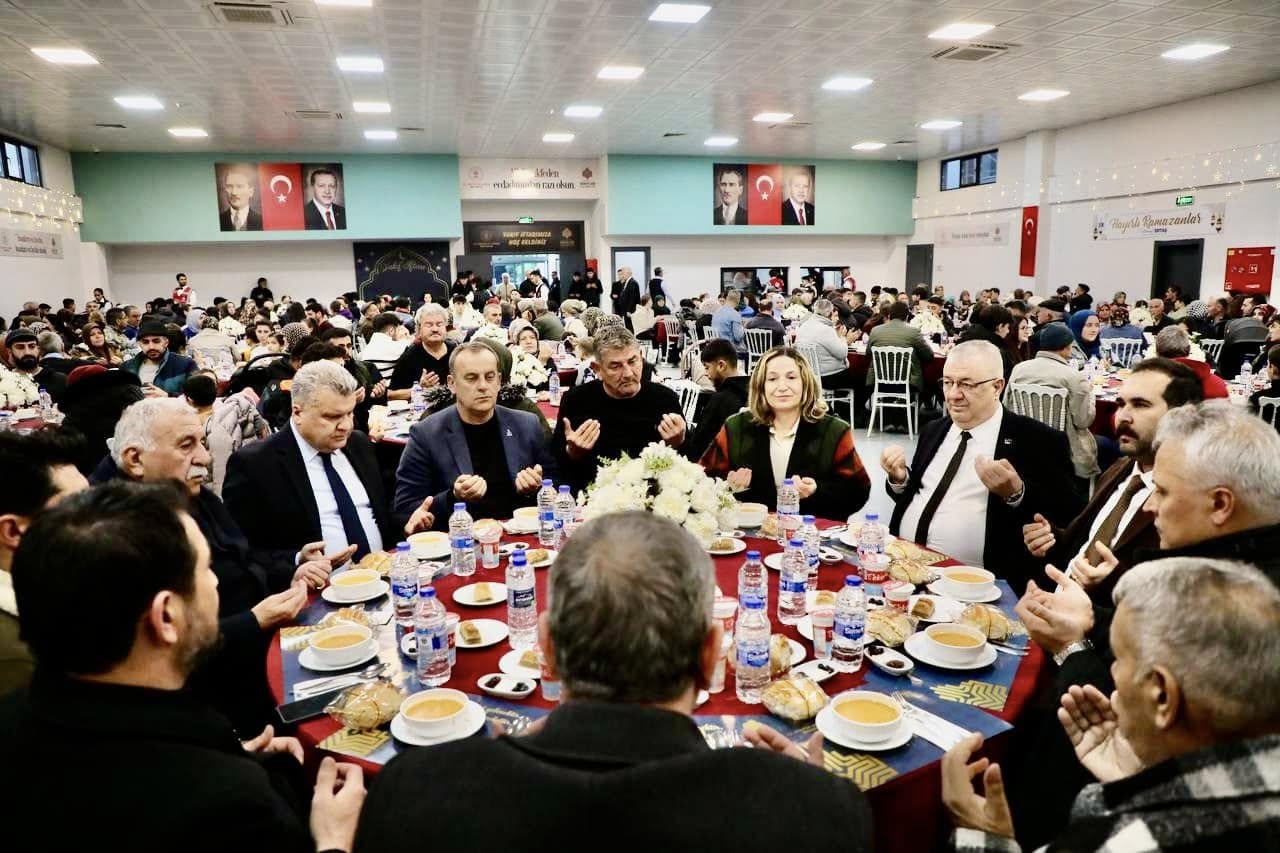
[1016, 496]
[1060, 657]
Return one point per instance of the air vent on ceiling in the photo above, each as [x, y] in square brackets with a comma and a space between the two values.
[412, 129]
[903, 142]
[317, 115]
[670, 134]
[252, 14]
[791, 125]
[110, 125]
[972, 52]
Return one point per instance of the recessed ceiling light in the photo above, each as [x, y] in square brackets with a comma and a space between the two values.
[620, 72]
[344, 3]
[721, 141]
[1043, 95]
[139, 102]
[64, 55]
[1199, 50]
[380, 135]
[583, 111]
[557, 137]
[940, 124]
[772, 117]
[960, 32]
[368, 64]
[371, 107]
[846, 84]
[679, 13]
[188, 132]
[868, 146]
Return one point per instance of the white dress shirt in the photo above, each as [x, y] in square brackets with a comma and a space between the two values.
[331, 529]
[728, 214]
[780, 444]
[959, 527]
[325, 214]
[1139, 498]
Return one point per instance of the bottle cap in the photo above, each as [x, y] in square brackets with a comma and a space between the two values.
[402, 546]
[797, 543]
[427, 592]
[459, 507]
[565, 490]
[753, 555]
[852, 580]
[787, 481]
[809, 519]
[546, 483]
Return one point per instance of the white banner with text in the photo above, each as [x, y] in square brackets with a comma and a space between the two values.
[972, 233]
[533, 178]
[1202, 220]
[30, 244]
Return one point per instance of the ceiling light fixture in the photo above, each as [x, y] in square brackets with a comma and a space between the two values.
[679, 13]
[139, 102]
[64, 55]
[941, 124]
[620, 72]
[371, 107]
[582, 111]
[772, 118]
[188, 132]
[846, 84]
[557, 137]
[1043, 95]
[362, 64]
[1199, 50]
[868, 146]
[721, 141]
[960, 32]
[380, 135]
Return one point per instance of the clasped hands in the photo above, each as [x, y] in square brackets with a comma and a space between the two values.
[998, 475]
[470, 487]
[740, 480]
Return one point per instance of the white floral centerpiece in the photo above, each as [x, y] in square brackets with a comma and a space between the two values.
[665, 483]
[1196, 354]
[795, 312]
[526, 369]
[17, 390]
[491, 332]
[928, 323]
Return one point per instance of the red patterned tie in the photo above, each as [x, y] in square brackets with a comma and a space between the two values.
[801, 209]
[328, 218]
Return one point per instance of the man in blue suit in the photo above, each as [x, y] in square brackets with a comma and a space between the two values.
[489, 456]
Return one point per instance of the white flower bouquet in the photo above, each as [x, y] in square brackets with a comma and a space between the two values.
[491, 332]
[527, 370]
[795, 312]
[1196, 354]
[665, 483]
[928, 323]
[17, 390]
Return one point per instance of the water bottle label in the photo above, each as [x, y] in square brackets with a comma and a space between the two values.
[792, 585]
[440, 639]
[547, 515]
[520, 597]
[753, 655]
[463, 542]
[404, 589]
[849, 630]
[748, 595]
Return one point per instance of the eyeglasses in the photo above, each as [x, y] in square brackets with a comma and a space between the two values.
[966, 387]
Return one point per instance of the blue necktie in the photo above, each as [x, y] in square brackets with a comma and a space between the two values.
[346, 508]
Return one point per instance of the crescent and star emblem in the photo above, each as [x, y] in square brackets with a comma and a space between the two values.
[288, 187]
[764, 191]
[1029, 226]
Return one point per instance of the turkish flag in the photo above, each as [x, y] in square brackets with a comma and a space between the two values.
[764, 194]
[280, 188]
[1030, 231]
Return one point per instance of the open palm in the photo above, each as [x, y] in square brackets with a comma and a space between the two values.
[1091, 722]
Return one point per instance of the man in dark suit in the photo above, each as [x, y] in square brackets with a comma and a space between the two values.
[798, 209]
[489, 456]
[239, 186]
[323, 213]
[628, 295]
[631, 641]
[251, 221]
[115, 708]
[730, 210]
[317, 479]
[994, 468]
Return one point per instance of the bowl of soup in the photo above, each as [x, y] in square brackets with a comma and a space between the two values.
[967, 582]
[951, 642]
[750, 514]
[341, 645]
[866, 716]
[432, 713]
[429, 545]
[355, 584]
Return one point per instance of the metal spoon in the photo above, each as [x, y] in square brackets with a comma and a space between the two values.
[373, 670]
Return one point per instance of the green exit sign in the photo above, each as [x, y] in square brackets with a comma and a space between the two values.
[528, 220]
[1184, 200]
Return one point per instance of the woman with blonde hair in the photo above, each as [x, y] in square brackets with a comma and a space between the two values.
[786, 432]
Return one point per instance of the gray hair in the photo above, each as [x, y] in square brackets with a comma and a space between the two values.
[572, 307]
[591, 318]
[1215, 624]
[540, 306]
[208, 321]
[628, 630]
[611, 338]
[136, 427]
[980, 351]
[321, 376]
[1173, 342]
[823, 308]
[524, 305]
[49, 342]
[1225, 445]
[428, 310]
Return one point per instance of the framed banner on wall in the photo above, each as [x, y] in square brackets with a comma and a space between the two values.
[403, 269]
[763, 194]
[280, 196]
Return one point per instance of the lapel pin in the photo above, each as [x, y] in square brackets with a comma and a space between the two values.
[509, 433]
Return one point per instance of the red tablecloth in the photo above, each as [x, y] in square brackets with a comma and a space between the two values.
[860, 364]
[1104, 417]
[908, 809]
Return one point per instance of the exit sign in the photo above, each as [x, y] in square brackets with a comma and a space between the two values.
[1184, 200]
[528, 220]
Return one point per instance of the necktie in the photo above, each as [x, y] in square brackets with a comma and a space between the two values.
[1111, 524]
[800, 208]
[346, 508]
[935, 500]
[328, 218]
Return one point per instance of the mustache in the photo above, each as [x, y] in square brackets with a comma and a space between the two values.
[197, 472]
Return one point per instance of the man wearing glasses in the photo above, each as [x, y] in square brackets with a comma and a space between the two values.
[980, 474]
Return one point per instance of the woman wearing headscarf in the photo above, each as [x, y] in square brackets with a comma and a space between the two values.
[194, 316]
[94, 345]
[1196, 319]
[1120, 327]
[1085, 328]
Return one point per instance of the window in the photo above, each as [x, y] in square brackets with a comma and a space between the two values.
[21, 162]
[970, 170]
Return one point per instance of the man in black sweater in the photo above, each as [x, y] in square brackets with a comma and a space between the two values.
[720, 361]
[620, 414]
[427, 360]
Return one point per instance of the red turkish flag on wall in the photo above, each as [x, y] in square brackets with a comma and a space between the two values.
[764, 194]
[1030, 231]
[281, 191]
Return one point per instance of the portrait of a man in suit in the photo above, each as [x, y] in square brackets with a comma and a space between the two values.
[797, 209]
[323, 212]
[239, 186]
[730, 181]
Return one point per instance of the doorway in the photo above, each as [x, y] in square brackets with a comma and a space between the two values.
[919, 266]
[1177, 262]
[637, 259]
[518, 267]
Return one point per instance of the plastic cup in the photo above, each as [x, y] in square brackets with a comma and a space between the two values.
[898, 594]
[725, 611]
[487, 537]
[824, 620]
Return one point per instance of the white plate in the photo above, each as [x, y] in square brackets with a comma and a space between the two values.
[944, 609]
[738, 547]
[330, 595]
[811, 669]
[470, 721]
[849, 539]
[517, 527]
[823, 723]
[492, 632]
[701, 698]
[466, 595]
[505, 687]
[398, 405]
[773, 562]
[506, 549]
[915, 646]
[542, 564]
[510, 664]
[307, 659]
[938, 589]
[798, 652]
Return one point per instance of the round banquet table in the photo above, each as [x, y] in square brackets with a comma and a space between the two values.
[908, 808]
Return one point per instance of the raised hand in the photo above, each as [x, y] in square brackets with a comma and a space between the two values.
[671, 429]
[281, 608]
[422, 517]
[806, 486]
[470, 487]
[967, 808]
[740, 479]
[893, 459]
[1038, 536]
[528, 480]
[998, 476]
[429, 379]
[1087, 574]
[1091, 723]
[314, 573]
[581, 441]
[268, 742]
[1058, 619]
[335, 805]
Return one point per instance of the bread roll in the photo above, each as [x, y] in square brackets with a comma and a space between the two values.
[796, 698]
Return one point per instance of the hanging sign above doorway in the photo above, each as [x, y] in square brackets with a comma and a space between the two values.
[517, 238]
[534, 178]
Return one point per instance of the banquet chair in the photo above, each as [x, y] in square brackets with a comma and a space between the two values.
[1269, 410]
[671, 334]
[759, 342]
[1122, 350]
[1040, 402]
[1212, 348]
[708, 333]
[688, 392]
[892, 389]
[810, 354]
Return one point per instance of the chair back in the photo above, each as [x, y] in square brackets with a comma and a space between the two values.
[1269, 410]
[759, 342]
[708, 333]
[1044, 404]
[892, 365]
[688, 392]
[810, 354]
[1212, 348]
[1122, 350]
[670, 327]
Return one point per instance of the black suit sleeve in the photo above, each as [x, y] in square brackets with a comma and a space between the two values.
[1049, 478]
[245, 500]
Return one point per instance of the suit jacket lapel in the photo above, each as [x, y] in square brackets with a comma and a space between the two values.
[295, 474]
[456, 441]
[510, 441]
[1107, 484]
[1138, 525]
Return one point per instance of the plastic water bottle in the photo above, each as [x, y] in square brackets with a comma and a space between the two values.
[812, 545]
[1090, 368]
[566, 509]
[6, 421]
[1246, 376]
[553, 387]
[46, 404]
[753, 582]
[788, 510]
[547, 515]
[870, 542]
[419, 400]
[851, 623]
[430, 630]
[522, 603]
[462, 542]
[751, 637]
[793, 581]
[404, 584]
